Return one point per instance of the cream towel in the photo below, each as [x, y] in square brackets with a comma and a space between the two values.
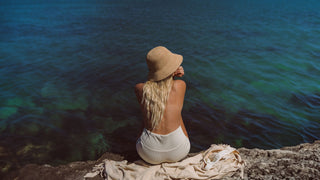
[215, 163]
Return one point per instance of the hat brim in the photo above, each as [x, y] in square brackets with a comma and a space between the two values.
[169, 69]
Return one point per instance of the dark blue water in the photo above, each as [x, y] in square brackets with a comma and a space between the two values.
[67, 72]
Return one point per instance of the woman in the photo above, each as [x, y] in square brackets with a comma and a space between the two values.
[164, 137]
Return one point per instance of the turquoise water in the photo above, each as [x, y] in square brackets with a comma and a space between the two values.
[67, 72]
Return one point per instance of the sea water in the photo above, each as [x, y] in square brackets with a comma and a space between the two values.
[67, 72]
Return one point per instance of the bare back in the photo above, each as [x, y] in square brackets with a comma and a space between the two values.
[172, 118]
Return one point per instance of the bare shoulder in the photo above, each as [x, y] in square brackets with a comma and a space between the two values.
[139, 86]
[179, 88]
[180, 84]
[138, 90]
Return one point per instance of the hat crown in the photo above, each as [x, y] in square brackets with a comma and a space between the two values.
[161, 63]
[158, 58]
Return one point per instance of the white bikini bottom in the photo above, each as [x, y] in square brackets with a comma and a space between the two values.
[157, 148]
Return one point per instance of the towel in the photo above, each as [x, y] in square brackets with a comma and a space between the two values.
[214, 163]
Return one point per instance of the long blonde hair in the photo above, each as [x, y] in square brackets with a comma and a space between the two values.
[154, 98]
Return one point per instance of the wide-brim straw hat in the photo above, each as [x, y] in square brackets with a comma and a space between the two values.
[162, 63]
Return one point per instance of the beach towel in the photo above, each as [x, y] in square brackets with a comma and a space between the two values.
[215, 163]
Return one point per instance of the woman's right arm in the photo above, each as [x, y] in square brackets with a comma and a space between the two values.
[138, 91]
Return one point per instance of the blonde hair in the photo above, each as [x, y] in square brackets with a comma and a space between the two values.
[154, 98]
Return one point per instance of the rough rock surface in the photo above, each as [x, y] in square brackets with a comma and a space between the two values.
[71, 171]
[296, 162]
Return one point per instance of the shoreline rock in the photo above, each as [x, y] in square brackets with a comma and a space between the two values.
[294, 162]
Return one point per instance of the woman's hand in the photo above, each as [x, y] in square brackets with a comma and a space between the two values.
[179, 72]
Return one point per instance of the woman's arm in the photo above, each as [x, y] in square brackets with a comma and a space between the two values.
[179, 72]
[181, 85]
[138, 91]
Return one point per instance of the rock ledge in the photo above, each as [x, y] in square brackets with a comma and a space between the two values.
[295, 162]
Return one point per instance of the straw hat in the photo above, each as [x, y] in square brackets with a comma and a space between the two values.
[162, 63]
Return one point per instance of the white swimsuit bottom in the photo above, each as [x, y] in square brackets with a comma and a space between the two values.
[157, 148]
